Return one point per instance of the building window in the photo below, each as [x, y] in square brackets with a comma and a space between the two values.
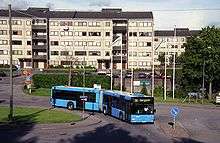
[83, 23]
[54, 53]
[3, 52]
[16, 32]
[107, 24]
[66, 23]
[84, 34]
[94, 33]
[28, 33]
[182, 46]
[156, 39]
[3, 22]
[28, 52]
[54, 33]
[66, 43]
[145, 34]
[107, 53]
[107, 33]
[107, 43]
[176, 46]
[28, 42]
[54, 23]
[3, 42]
[182, 39]
[16, 42]
[16, 22]
[94, 24]
[94, 53]
[80, 53]
[3, 32]
[28, 23]
[148, 44]
[64, 53]
[17, 52]
[133, 34]
[66, 33]
[54, 43]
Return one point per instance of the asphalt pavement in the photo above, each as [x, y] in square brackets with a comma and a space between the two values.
[196, 124]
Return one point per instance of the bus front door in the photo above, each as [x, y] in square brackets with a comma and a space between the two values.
[109, 105]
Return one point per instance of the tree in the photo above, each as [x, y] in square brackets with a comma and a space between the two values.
[144, 89]
[202, 49]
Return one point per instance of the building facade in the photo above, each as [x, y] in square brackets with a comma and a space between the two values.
[42, 38]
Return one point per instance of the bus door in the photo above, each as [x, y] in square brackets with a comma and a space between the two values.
[109, 106]
[127, 110]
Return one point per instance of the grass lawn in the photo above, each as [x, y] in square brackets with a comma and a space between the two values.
[39, 92]
[180, 100]
[38, 115]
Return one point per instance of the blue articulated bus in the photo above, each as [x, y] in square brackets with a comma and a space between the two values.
[134, 108]
[73, 98]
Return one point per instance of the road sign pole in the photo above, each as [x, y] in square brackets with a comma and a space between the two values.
[174, 122]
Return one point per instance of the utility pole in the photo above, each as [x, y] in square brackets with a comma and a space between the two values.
[132, 62]
[165, 76]
[174, 61]
[203, 80]
[10, 116]
[152, 84]
[121, 65]
[111, 67]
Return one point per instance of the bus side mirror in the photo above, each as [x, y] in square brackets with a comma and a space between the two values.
[155, 110]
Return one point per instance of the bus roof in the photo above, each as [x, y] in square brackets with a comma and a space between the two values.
[72, 88]
[126, 95]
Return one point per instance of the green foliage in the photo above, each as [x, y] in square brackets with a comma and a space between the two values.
[161, 58]
[204, 48]
[49, 80]
[144, 89]
[158, 91]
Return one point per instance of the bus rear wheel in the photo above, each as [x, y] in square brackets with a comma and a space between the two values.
[121, 116]
[70, 106]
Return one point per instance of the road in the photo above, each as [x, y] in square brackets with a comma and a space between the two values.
[194, 124]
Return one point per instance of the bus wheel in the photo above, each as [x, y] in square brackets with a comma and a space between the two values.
[104, 111]
[70, 106]
[120, 116]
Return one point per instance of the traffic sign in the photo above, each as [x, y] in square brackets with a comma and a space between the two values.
[146, 82]
[174, 111]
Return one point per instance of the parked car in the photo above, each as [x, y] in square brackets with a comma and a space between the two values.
[142, 75]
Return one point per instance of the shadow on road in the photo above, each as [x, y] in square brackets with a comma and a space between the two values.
[187, 140]
[106, 134]
[13, 132]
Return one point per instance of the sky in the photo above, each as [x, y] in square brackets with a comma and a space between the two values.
[193, 14]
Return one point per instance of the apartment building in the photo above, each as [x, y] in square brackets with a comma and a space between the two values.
[171, 41]
[42, 37]
[47, 37]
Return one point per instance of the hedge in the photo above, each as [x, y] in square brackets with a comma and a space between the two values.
[49, 80]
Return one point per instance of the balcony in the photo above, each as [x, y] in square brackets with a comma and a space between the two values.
[40, 57]
[118, 48]
[39, 26]
[120, 28]
[39, 47]
[117, 58]
[39, 37]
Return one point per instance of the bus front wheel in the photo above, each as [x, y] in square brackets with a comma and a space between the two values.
[70, 106]
[104, 111]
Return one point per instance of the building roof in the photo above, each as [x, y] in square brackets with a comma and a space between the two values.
[182, 32]
[104, 14]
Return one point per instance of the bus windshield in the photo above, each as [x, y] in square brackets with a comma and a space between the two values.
[141, 106]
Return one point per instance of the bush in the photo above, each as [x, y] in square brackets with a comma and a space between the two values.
[158, 91]
[144, 89]
[49, 80]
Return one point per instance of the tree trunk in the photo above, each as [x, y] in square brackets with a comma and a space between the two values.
[210, 90]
